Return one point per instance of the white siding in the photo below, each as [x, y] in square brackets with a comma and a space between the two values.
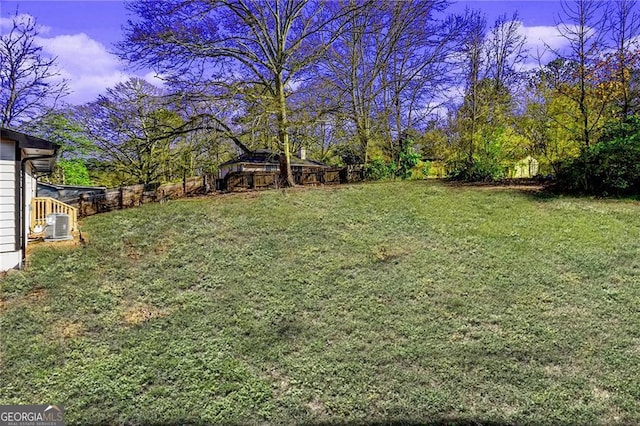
[9, 257]
[7, 206]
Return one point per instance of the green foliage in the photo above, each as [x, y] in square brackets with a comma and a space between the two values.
[64, 129]
[434, 141]
[610, 167]
[407, 157]
[73, 172]
[482, 169]
[420, 171]
[408, 160]
[378, 169]
[348, 154]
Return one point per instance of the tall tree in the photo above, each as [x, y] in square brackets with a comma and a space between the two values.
[549, 119]
[625, 30]
[583, 25]
[389, 65]
[505, 51]
[420, 67]
[235, 43]
[492, 59]
[135, 128]
[62, 127]
[30, 82]
[474, 66]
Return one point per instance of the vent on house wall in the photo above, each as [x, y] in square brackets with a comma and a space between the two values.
[58, 227]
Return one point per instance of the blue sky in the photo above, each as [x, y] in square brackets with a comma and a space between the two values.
[81, 35]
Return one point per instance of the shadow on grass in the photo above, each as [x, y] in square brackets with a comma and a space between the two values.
[537, 190]
[540, 190]
[433, 422]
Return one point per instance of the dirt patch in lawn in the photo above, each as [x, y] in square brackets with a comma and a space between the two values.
[140, 313]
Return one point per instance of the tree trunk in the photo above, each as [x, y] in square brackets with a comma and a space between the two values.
[286, 176]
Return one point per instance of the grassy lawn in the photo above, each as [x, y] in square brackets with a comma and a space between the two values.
[393, 302]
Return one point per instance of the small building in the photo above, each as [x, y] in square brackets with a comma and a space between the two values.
[526, 168]
[68, 193]
[266, 160]
[22, 159]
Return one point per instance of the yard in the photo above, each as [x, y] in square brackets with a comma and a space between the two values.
[405, 302]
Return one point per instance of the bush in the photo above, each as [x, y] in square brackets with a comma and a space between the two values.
[610, 167]
[421, 170]
[482, 169]
[378, 169]
[348, 154]
[408, 160]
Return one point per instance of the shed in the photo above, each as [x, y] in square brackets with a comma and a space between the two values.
[266, 160]
[68, 193]
[22, 159]
[526, 168]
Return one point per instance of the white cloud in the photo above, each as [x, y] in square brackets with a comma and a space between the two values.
[86, 64]
[542, 43]
[154, 78]
[23, 18]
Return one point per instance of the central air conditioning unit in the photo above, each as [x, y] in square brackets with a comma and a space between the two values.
[58, 227]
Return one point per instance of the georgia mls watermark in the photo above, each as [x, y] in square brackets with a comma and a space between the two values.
[31, 415]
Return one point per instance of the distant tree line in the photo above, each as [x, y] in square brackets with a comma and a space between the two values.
[395, 86]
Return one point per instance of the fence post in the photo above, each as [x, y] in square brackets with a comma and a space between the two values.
[121, 201]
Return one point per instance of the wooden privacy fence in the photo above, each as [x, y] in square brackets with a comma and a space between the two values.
[104, 200]
[94, 202]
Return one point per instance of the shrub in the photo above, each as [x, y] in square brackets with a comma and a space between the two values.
[610, 167]
[378, 169]
[421, 170]
[481, 169]
[408, 160]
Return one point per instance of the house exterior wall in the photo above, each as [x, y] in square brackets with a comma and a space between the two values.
[9, 256]
[247, 167]
[238, 167]
[9, 187]
[225, 170]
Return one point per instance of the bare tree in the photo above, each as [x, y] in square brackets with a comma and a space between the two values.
[625, 29]
[266, 44]
[420, 67]
[30, 82]
[135, 127]
[389, 64]
[505, 51]
[475, 68]
[583, 25]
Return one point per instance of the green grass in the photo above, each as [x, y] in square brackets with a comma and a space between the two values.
[394, 302]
